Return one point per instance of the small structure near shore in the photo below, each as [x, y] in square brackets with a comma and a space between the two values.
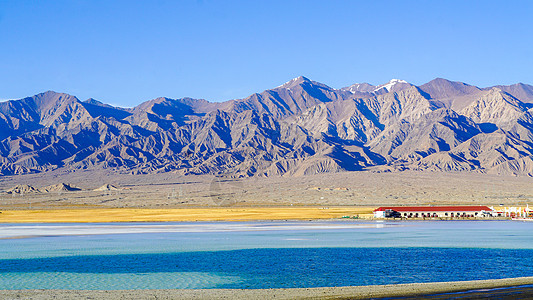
[433, 212]
[514, 212]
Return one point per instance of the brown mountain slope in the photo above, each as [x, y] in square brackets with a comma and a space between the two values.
[301, 127]
[521, 91]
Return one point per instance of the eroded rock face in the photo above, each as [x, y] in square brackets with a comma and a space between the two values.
[301, 127]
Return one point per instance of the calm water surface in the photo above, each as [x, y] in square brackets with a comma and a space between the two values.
[260, 254]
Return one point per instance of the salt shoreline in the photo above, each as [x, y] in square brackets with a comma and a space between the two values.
[351, 292]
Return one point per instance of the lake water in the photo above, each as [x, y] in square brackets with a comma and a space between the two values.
[260, 254]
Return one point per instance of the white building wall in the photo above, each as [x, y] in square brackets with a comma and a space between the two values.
[440, 214]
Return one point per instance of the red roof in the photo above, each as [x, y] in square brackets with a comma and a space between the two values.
[434, 208]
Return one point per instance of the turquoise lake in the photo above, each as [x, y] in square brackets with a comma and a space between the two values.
[260, 254]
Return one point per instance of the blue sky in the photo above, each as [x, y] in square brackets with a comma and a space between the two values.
[127, 52]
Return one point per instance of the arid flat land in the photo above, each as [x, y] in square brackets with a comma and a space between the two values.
[168, 190]
[180, 214]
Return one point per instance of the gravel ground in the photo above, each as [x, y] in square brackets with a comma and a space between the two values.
[355, 292]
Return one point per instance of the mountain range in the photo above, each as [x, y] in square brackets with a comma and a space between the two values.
[301, 127]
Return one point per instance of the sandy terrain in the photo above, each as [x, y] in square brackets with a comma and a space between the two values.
[184, 214]
[355, 292]
[341, 189]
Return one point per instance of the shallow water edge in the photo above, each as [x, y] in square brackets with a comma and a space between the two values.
[518, 287]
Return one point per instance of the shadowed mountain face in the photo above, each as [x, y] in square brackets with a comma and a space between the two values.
[301, 127]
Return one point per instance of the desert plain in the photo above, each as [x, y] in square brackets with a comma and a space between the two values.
[106, 196]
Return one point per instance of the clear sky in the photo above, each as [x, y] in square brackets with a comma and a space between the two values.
[127, 52]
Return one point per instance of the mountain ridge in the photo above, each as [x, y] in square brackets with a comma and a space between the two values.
[300, 127]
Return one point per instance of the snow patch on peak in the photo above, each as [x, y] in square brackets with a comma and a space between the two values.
[292, 81]
[388, 86]
[354, 88]
[358, 87]
[397, 81]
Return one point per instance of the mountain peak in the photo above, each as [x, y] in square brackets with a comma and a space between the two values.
[440, 88]
[519, 90]
[440, 80]
[301, 127]
[301, 79]
[360, 87]
[389, 86]
[295, 81]
[394, 81]
[49, 92]
[49, 99]
[94, 102]
[394, 85]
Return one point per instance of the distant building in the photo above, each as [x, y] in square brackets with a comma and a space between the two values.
[433, 212]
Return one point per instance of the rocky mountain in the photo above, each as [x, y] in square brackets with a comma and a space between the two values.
[298, 128]
[368, 90]
[520, 91]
